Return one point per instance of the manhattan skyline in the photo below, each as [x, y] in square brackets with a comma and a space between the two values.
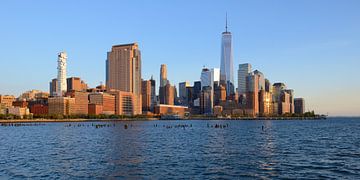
[311, 47]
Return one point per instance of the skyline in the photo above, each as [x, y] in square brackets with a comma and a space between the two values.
[281, 54]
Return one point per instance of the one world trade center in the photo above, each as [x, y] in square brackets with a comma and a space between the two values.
[226, 66]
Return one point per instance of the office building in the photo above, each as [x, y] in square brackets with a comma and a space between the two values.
[153, 94]
[299, 104]
[124, 72]
[206, 100]
[163, 75]
[265, 103]
[243, 71]
[252, 94]
[146, 95]
[124, 103]
[196, 90]
[261, 79]
[216, 74]
[268, 86]
[226, 65]
[183, 97]
[284, 104]
[53, 87]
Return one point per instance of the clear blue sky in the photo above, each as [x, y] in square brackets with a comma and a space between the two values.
[312, 46]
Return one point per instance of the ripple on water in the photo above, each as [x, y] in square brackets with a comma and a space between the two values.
[285, 149]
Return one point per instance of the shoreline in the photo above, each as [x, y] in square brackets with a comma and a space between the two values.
[157, 119]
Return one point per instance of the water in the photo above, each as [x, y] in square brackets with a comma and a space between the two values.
[281, 149]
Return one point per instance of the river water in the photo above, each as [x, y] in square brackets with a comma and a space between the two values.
[161, 150]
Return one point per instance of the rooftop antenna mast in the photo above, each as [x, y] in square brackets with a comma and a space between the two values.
[226, 26]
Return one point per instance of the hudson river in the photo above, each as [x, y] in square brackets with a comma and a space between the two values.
[308, 149]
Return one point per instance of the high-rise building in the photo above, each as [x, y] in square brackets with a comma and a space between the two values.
[61, 76]
[146, 95]
[53, 87]
[291, 100]
[219, 94]
[216, 74]
[252, 94]
[226, 65]
[153, 94]
[163, 75]
[124, 72]
[261, 79]
[206, 100]
[243, 72]
[183, 92]
[277, 88]
[196, 90]
[268, 86]
[169, 95]
[207, 78]
[299, 104]
[265, 103]
[284, 104]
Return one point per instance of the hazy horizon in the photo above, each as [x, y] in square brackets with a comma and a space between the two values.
[311, 46]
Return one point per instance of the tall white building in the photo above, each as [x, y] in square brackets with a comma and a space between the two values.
[226, 65]
[216, 73]
[243, 72]
[61, 76]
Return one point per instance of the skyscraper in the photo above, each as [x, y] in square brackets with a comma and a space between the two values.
[299, 104]
[261, 79]
[163, 75]
[183, 92]
[61, 76]
[153, 93]
[252, 94]
[226, 66]
[216, 73]
[146, 95]
[207, 78]
[124, 71]
[243, 72]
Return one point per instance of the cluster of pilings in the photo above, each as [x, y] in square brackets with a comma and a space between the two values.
[91, 125]
[21, 124]
[218, 126]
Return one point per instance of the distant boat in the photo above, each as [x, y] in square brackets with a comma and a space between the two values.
[170, 117]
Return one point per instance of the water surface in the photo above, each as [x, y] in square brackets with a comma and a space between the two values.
[158, 150]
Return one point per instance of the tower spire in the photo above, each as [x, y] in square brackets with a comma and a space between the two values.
[226, 23]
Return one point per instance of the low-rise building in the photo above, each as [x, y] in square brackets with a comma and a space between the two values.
[105, 100]
[39, 109]
[61, 105]
[7, 100]
[95, 109]
[165, 109]
[19, 111]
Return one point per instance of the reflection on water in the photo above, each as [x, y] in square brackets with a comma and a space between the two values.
[160, 149]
